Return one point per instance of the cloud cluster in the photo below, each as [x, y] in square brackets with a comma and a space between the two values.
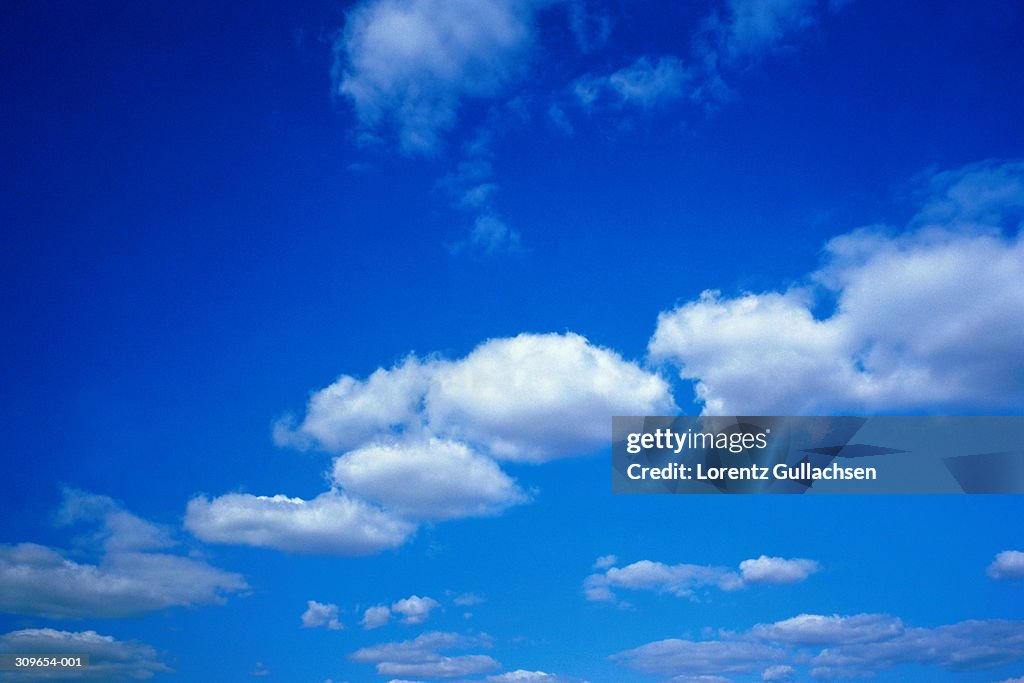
[129, 578]
[109, 659]
[422, 656]
[833, 648]
[928, 319]
[411, 610]
[422, 441]
[683, 580]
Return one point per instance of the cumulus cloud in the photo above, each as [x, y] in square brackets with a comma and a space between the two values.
[414, 609]
[1008, 564]
[929, 319]
[533, 397]
[321, 615]
[109, 659]
[128, 578]
[421, 657]
[331, 523]
[683, 580]
[834, 648]
[407, 65]
[430, 479]
[422, 440]
[376, 616]
[777, 570]
[536, 397]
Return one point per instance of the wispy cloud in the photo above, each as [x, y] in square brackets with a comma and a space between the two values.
[130, 576]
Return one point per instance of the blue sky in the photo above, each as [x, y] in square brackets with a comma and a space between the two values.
[310, 311]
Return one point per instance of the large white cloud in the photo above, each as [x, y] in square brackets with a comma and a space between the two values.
[535, 397]
[930, 319]
[127, 579]
[532, 397]
[429, 479]
[408, 64]
[331, 523]
[109, 659]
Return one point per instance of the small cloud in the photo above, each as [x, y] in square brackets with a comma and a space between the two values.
[375, 617]
[777, 570]
[414, 609]
[1008, 564]
[605, 561]
[468, 600]
[321, 615]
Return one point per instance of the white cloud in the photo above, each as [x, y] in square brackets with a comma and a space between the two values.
[532, 397]
[777, 570]
[407, 64]
[986, 192]
[1008, 564]
[414, 609]
[779, 672]
[109, 658]
[376, 616]
[468, 600]
[931, 319]
[684, 579]
[680, 579]
[536, 397]
[128, 579]
[429, 479]
[524, 676]
[331, 523]
[675, 657]
[964, 646]
[421, 657]
[817, 629]
[350, 411]
[834, 648]
[320, 614]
